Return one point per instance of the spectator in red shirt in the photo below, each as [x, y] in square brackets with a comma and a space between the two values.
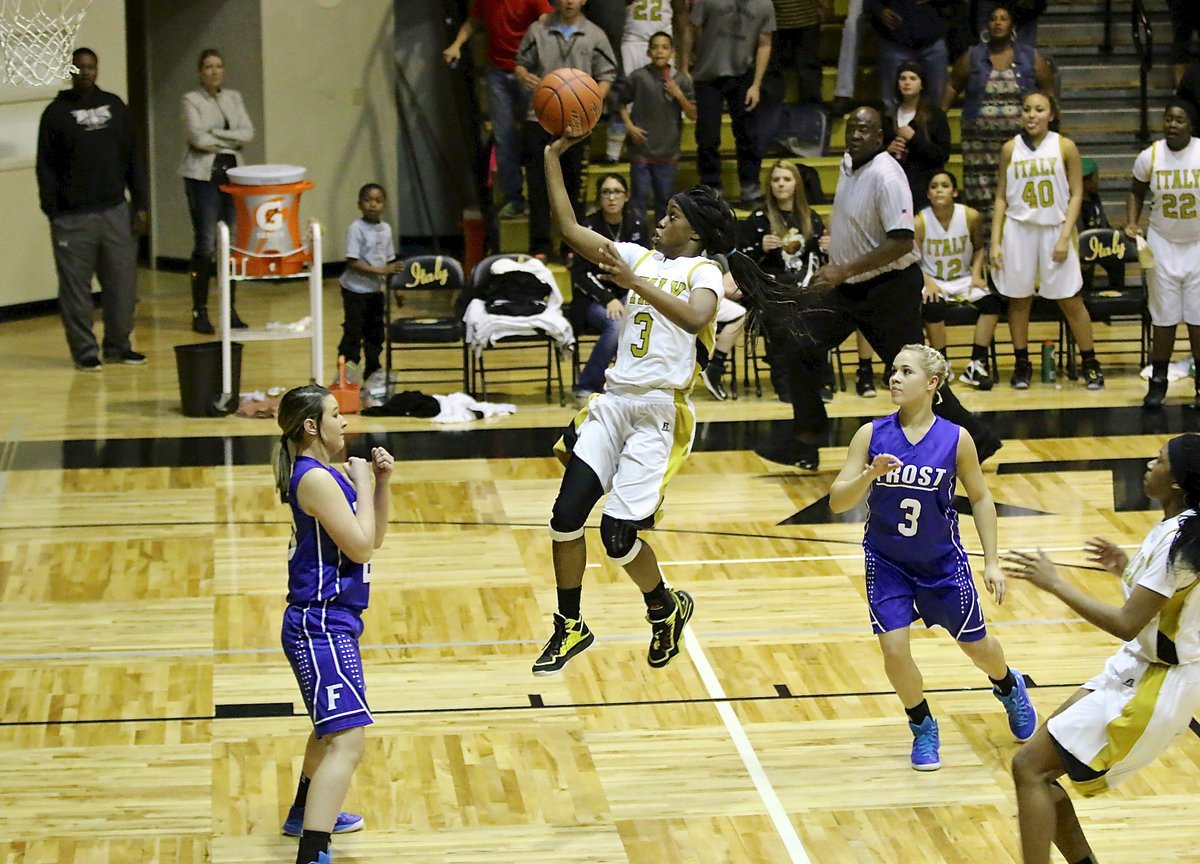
[506, 22]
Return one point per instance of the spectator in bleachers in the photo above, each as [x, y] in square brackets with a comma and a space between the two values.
[991, 77]
[506, 22]
[908, 30]
[644, 18]
[660, 99]
[565, 40]
[1025, 14]
[1185, 22]
[732, 42]
[1092, 215]
[847, 68]
[797, 43]
[961, 32]
[918, 131]
[598, 304]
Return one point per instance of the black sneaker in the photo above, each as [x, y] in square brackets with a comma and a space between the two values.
[796, 453]
[570, 637]
[864, 384]
[1022, 375]
[1156, 393]
[664, 641]
[90, 364]
[236, 322]
[126, 358]
[826, 394]
[976, 374]
[711, 376]
[1093, 378]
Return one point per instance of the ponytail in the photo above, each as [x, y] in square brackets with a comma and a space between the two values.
[282, 460]
[770, 300]
[297, 405]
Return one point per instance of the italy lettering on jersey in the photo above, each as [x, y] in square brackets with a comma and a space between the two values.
[317, 569]
[1037, 187]
[1173, 635]
[1174, 180]
[644, 18]
[653, 353]
[946, 253]
[911, 515]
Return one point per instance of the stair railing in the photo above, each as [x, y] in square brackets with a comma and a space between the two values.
[1143, 42]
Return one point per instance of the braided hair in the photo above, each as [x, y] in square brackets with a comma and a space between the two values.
[715, 224]
[1183, 452]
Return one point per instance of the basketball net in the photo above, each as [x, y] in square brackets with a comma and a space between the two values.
[37, 41]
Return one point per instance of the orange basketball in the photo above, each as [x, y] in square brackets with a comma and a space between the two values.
[564, 95]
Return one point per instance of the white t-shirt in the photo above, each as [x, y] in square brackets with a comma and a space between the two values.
[654, 354]
[370, 244]
[946, 253]
[1174, 179]
[1037, 187]
[1178, 622]
[868, 204]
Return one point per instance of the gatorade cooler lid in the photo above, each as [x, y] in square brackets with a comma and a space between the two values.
[266, 175]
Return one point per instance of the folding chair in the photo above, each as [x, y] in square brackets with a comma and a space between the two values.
[428, 289]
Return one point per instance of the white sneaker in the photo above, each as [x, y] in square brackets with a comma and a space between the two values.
[976, 374]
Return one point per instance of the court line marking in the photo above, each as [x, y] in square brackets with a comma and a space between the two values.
[152, 653]
[762, 783]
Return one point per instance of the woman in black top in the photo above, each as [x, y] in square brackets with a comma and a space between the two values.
[594, 305]
[919, 132]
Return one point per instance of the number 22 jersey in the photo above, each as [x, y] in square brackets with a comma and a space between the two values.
[911, 516]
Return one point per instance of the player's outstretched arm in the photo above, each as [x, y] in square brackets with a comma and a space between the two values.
[855, 479]
[583, 240]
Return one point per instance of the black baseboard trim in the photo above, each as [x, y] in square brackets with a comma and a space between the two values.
[34, 309]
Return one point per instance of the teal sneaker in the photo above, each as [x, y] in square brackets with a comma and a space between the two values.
[1022, 716]
[925, 745]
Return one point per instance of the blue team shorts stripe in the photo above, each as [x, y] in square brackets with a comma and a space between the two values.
[898, 594]
[321, 644]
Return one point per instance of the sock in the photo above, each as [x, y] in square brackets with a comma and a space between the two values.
[659, 602]
[717, 360]
[979, 352]
[1087, 357]
[1158, 370]
[312, 844]
[1005, 684]
[1021, 354]
[301, 793]
[919, 713]
[568, 602]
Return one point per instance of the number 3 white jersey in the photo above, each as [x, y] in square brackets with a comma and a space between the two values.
[1174, 179]
[947, 252]
[1037, 190]
[653, 353]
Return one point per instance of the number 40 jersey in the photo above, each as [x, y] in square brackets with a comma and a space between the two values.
[911, 515]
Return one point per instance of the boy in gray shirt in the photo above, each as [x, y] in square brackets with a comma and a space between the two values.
[654, 120]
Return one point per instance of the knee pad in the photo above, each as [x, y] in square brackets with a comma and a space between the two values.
[990, 305]
[620, 539]
[933, 313]
[580, 491]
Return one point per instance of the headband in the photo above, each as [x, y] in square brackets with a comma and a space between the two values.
[1183, 452]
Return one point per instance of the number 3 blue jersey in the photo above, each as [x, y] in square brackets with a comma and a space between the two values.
[317, 569]
[912, 518]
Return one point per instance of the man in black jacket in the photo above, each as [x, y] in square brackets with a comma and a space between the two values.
[85, 162]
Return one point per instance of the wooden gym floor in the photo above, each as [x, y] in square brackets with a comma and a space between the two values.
[149, 715]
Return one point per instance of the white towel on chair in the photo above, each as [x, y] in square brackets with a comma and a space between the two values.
[483, 328]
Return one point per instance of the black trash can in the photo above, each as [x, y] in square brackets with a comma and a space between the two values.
[199, 368]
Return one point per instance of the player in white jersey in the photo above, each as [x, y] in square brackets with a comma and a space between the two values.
[1169, 170]
[631, 439]
[1038, 196]
[1123, 718]
[949, 238]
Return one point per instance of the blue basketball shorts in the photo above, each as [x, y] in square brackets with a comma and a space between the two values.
[938, 592]
[321, 643]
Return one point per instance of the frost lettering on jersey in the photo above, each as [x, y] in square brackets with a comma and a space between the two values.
[913, 477]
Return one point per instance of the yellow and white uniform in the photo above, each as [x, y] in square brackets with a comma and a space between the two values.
[1148, 690]
[644, 18]
[637, 434]
[1037, 195]
[946, 255]
[1174, 235]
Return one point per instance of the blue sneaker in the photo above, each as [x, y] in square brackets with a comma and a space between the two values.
[925, 745]
[323, 858]
[347, 823]
[1022, 716]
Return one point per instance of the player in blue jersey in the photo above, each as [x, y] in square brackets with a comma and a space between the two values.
[337, 524]
[905, 465]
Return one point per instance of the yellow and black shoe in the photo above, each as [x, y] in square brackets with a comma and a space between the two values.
[664, 640]
[568, 639]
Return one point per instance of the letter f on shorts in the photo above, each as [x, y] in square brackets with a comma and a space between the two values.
[332, 695]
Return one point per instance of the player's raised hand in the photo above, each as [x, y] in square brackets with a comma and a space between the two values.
[1033, 567]
[382, 463]
[613, 267]
[1107, 554]
[882, 464]
[359, 472]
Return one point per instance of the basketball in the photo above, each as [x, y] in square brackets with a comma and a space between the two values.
[563, 96]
